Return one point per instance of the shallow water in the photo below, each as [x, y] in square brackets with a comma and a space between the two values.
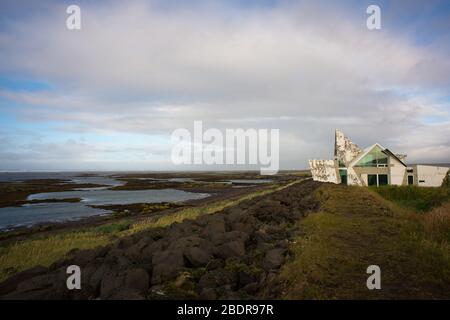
[112, 197]
[66, 211]
[250, 181]
[31, 214]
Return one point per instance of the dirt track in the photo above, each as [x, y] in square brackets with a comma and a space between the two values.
[231, 254]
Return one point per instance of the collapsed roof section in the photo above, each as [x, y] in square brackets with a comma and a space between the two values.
[344, 149]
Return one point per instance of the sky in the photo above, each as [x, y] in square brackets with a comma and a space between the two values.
[108, 96]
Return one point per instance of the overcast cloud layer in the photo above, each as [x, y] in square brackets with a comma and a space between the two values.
[107, 97]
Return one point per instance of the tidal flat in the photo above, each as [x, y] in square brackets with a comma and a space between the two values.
[42, 201]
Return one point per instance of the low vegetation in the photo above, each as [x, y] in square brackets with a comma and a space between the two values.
[44, 251]
[416, 198]
[356, 228]
[113, 228]
[437, 223]
[137, 209]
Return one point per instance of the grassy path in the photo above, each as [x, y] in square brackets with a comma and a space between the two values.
[356, 228]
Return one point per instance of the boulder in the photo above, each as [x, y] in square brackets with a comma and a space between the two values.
[137, 280]
[244, 278]
[166, 265]
[128, 294]
[124, 243]
[230, 249]
[112, 283]
[215, 264]
[36, 283]
[11, 284]
[197, 257]
[251, 288]
[208, 294]
[95, 275]
[221, 238]
[185, 242]
[147, 252]
[83, 257]
[236, 214]
[273, 259]
[135, 251]
[243, 227]
[215, 225]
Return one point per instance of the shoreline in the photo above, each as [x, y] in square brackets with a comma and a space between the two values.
[44, 228]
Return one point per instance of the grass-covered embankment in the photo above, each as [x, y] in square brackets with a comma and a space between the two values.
[417, 198]
[356, 228]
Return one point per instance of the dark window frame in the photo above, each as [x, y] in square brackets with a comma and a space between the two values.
[371, 178]
[385, 182]
[410, 180]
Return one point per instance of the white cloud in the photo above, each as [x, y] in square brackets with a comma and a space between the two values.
[135, 68]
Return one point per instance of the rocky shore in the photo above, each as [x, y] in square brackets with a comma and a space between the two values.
[233, 254]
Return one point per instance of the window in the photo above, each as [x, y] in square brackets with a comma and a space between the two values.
[375, 158]
[382, 179]
[410, 180]
[372, 179]
[377, 179]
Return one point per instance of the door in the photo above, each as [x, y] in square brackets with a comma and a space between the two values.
[343, 175]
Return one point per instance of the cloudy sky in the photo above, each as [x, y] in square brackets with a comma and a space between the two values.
[108, 96]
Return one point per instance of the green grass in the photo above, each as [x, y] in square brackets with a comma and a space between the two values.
[412, 197]
[356, 228]
[114, 227]
[44, 250]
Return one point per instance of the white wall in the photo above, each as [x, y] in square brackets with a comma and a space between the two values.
[430, 175]
[396, 171]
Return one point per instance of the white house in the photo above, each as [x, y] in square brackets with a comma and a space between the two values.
[373, 166]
